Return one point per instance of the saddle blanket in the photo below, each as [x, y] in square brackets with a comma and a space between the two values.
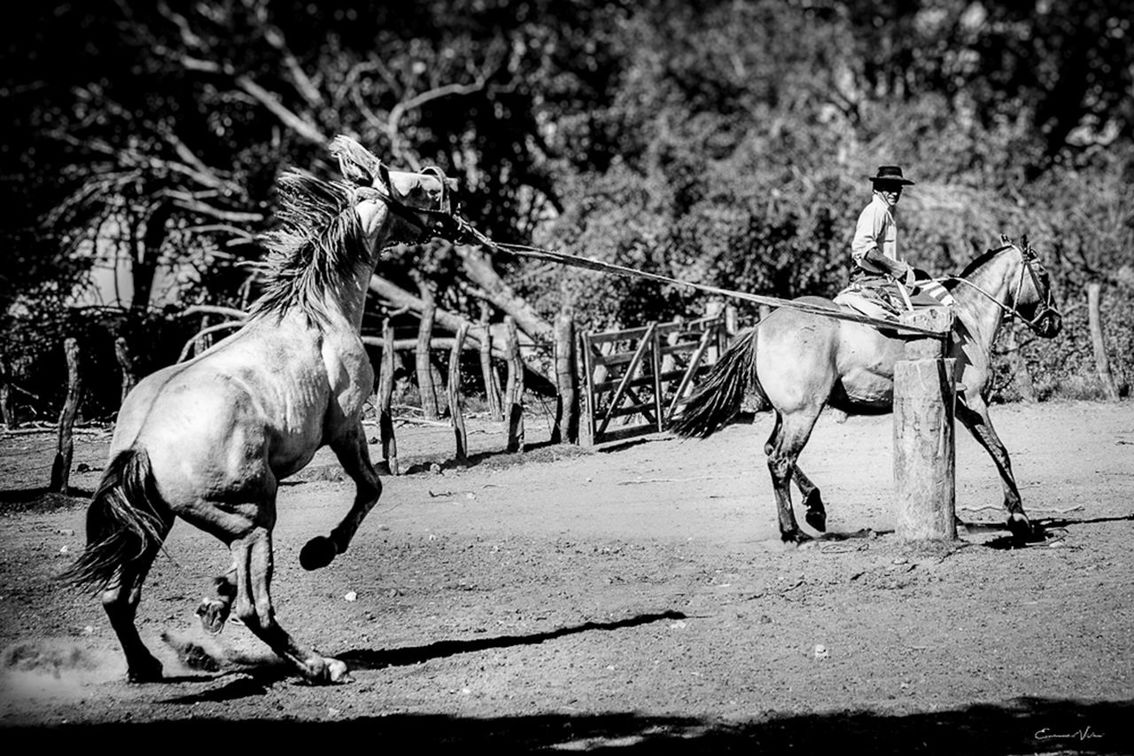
[885, 302]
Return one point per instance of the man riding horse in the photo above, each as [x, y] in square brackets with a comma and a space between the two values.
[879, 269]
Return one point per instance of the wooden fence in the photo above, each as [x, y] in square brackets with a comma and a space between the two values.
[504, 399]
[634, 379]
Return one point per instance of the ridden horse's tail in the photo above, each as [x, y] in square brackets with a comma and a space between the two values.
[719, 398]
[125, 521]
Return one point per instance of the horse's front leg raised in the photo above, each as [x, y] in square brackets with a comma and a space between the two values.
[974, 414]
[354, 455]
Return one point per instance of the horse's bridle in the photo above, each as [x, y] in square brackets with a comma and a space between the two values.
[1047, 307]
[441, 220]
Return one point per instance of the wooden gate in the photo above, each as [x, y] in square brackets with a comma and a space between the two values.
[634, 379]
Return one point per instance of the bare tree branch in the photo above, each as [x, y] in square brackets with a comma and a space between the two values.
[302, 126]
[399, 110]
[191, 202]
[302, 81]
[230, 312]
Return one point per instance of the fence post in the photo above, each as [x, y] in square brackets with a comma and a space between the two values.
[924, 451]
[456, 412]
[514, 400]
[7, 411]
[385, 395]
[425, 386]
[126, 363]
[488, 373]
[731, 322]
[714, 309]
[566, 381]
[61, 468]
[586, 384]
[1098, 344]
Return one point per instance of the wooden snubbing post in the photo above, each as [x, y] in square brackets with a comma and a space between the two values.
[385, 396]
[924, 452]
[61, 468]
[456, 411]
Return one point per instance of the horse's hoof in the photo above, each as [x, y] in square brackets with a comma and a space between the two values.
[213, 614]
[817, 519]
[337, 672]
[795, 538]
[1020, 527]
[326, 671]
[316, 553]
[148, 671]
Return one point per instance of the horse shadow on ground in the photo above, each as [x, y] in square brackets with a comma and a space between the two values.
[539, 451]
[1046, 531]
[1022, 725]
[254, 675]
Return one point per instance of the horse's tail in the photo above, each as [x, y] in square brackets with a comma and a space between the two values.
[719, 398]
[127, 519]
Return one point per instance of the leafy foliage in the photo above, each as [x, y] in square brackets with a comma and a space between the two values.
[721, 142]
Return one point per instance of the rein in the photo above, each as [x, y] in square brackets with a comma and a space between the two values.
[1013, 311]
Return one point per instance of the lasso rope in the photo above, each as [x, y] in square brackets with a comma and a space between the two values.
[468, 232]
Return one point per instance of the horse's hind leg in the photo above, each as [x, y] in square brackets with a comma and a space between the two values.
[120, 601]
[354, 455]
[780, 470]
[252, 554]
[816, 514]
[788, 438]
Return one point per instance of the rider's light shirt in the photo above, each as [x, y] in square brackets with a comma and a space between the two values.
[877, 227]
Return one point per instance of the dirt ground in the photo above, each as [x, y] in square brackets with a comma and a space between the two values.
[633, 597]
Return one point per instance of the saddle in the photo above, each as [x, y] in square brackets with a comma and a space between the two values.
[885, 299]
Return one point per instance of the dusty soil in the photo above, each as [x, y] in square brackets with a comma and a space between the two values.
[633, 597]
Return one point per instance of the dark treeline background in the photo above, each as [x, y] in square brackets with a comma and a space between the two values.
[725, 143]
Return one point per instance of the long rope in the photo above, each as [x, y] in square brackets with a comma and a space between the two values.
[590, 263]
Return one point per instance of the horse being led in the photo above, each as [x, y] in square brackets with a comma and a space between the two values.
[802, 362]
[209, 440]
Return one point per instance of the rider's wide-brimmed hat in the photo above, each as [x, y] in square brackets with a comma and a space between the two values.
[890, 174]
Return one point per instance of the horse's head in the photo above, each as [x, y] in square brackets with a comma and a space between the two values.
[421, 201]
[1035, 298]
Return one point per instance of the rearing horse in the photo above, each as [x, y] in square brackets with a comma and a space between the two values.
[802, 362]
[209, 440]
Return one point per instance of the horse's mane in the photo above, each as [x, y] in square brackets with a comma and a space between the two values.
[974, 265]
[315, 243]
